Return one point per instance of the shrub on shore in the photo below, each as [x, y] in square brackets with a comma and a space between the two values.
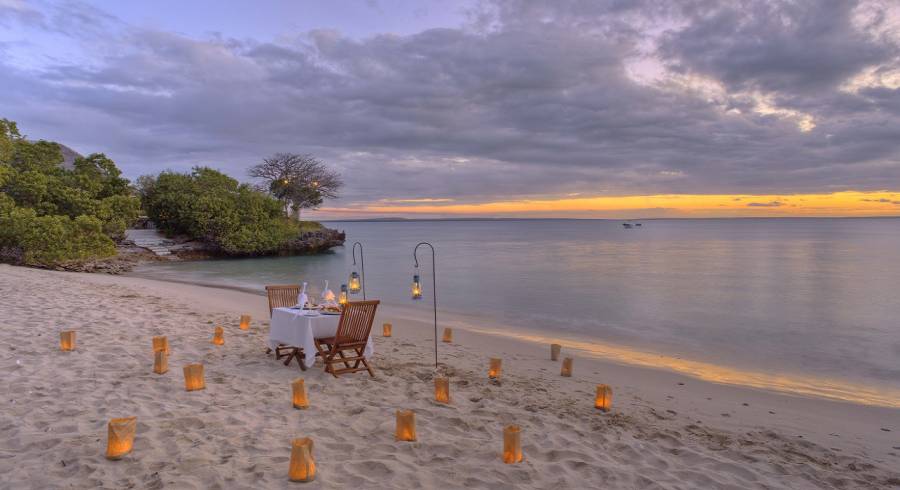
[229, 217]
[51, 214]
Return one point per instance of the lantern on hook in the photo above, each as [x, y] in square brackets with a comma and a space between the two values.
[342, 299]
[355, 286]
[416, 287]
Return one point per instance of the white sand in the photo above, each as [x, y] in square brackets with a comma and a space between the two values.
[237, 432]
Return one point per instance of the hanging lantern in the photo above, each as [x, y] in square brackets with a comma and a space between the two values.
[603, 400]
[512, 444]
[160, 362]
[161, 344]
[442, 390]
[120, 437]
[67, 340]
[245, 322]
[494, 369]
[355, 287]
[386, 329]
[299, 388]
[342, 299]
[416, 287]
[554, 351]
[448, 335]
[193, 377]
[566, 368]
[303, 466]
[219, 336]
[406, 425]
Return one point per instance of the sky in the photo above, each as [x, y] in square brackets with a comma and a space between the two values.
[495, 108]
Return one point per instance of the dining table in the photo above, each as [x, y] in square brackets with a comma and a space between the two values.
[299, 328]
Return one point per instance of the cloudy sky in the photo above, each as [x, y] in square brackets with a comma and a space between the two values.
[586, 108]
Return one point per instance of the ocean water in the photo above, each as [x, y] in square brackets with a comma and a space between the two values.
[812, 301]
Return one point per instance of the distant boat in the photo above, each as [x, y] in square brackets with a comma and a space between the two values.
[626, 225]
[637, 224]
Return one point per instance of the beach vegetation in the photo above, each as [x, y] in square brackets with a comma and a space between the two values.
[297, 181]
[52, 213]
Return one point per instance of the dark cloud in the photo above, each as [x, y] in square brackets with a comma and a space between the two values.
[530, 100]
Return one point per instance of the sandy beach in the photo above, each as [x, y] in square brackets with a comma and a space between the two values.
[666, 429]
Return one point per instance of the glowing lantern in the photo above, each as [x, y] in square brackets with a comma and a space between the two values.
[193, 377]
[406, 425]
[67, 340]
[245, 322]
[494, 369]
[416, 287]
[554, 351]
[342, 299]
[300, 400]
[303, 466]
[121, 437]
[566, 368]
[603, 400]
[219, 336]
[161, 344]
[355, 287]
[512, 444]
[448, 335]
[160, 362]
[442, 390]
[387, 329]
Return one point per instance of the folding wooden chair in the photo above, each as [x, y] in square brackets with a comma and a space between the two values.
[281, 296]
[352, 335]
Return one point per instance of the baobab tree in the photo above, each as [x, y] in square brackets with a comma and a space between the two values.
[298, 181]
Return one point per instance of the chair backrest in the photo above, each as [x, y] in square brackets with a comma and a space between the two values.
[282, 295]
[356, 321]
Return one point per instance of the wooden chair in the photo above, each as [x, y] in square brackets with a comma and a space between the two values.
[352, 335]
[281, 296]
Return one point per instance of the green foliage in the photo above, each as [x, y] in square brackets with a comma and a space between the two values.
[50, 214]
[209, 206]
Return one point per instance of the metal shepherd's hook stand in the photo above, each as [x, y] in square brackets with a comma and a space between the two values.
[433, 291]
[362, 260]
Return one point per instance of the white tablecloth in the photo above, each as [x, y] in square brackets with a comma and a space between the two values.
[292, 328]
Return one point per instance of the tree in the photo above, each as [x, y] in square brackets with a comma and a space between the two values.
[298, 181]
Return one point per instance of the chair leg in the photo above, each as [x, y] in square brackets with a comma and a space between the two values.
[347, 364]
[365, 362]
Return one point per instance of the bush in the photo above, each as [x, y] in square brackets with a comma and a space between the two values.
[207, 205]
[50, 214]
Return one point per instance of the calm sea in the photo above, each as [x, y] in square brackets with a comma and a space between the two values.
[813, 299]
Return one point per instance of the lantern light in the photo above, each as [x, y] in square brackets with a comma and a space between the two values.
[120, 438]
[416, 287]
[554, 351]
[342, 299]
[300, 399]
[160, 362]
[448, 335]
[67, 340]
[566, 370]
[512, 444]
[495, 367]
[354, 284]
[603, 400]
[245, 322]
[219, 336]
[406, 425]
[161, 343]
[303, 465]
[193, 377]
[442, 390]
[387, 327]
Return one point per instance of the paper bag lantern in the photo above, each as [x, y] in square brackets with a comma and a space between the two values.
[566, 367]
[448, 335]
[442, 390]
[193, 377]
[161, 343]
[300, 399]
[67, 340]
[245, 322]
[603, 401]
[303, 466]
[406, 425]
[554, 351]
[121, 437]
[512, 444]
[219, 336]
[387, 329]
[160, 362]
[494, 369]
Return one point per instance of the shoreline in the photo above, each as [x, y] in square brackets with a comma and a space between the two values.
[666, 429]
[791, 384]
